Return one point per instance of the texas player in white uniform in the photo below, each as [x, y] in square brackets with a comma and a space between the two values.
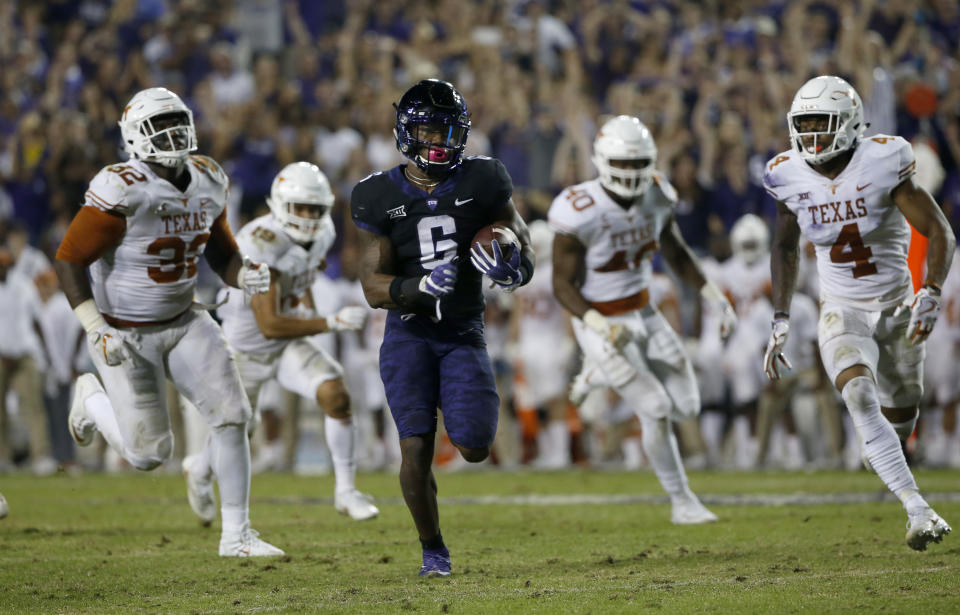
[852, 198]
[269, 335]
[607, 231]
[143, 225]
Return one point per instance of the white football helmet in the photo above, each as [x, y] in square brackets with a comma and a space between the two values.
[835, 98]
[750, 238]
[541, 239]
[300, 183]
[168, 146]
[624, 138]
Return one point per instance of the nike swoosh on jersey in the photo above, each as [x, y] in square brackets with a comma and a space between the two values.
[458, 202]
[859, 188]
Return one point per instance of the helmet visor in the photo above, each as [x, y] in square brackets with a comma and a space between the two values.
[169, 132]
[630, 173]
[815, 132]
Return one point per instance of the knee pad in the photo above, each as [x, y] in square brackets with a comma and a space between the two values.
[151, 455]
[860, 393]
[337, 405]
[647, 398]
[475, 455]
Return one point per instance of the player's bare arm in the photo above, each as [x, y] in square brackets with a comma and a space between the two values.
[222, 252]
[784, 257]
[681, 259]
[679, 256]
[91, 233]
[276, 325]
[923, 213]
[376, 267]
[569, 261]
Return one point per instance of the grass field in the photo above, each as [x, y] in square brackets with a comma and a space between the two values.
[129, 544]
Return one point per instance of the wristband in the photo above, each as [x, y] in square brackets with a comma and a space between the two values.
[779, 315]
[405, 292]
[89, 316]
[526, 269]
[933, 287]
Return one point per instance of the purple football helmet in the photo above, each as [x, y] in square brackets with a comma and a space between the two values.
[432, 126]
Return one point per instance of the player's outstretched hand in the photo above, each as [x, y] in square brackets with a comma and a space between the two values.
[774, 357]
[720, 304]
[441, 280]
[923, 315]
[109, 343]
[504, 272]
[350, 318]
[253, 278]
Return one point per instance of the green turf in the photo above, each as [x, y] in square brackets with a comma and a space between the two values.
[129, 544]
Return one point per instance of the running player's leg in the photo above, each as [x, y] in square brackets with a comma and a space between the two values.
[409, 369]
[850, 355]
[312, 373]
[129, 408]
[205, 372]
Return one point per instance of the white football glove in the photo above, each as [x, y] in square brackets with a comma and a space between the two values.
[720, 304]
[774, 354]
[109, 343]
[923, 315]
[253, 278]
[616, 334]
[104, 339]
[350, 318]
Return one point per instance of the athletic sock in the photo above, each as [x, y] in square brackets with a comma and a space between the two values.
[339, 435]
[433, 544]
[880, 443]
[230, 456]
[661, 448]
[100, 409]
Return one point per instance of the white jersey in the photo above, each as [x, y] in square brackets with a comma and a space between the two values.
[151, 274]
[265, 241]
[620, 242]
[860, 236]
[744, 283]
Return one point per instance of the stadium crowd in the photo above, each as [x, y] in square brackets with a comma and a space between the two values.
[272, 83]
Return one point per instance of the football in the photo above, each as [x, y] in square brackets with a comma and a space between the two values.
[504, 235]
[4, 507]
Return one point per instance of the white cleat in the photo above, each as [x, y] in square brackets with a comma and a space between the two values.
[690, 511]
[246, 543]
[358, 505]
[199, 490]
[81, 424]
[581, 386]
[925, 526]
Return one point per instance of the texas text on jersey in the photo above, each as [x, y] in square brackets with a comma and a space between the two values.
[620, 242]
[151, 272]
[860, 236]
[428, 229]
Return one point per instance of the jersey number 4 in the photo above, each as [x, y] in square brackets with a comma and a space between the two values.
[858, 253]
[177, 258]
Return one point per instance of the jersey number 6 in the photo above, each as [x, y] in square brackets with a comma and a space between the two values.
[182, 258]
[434, 252]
